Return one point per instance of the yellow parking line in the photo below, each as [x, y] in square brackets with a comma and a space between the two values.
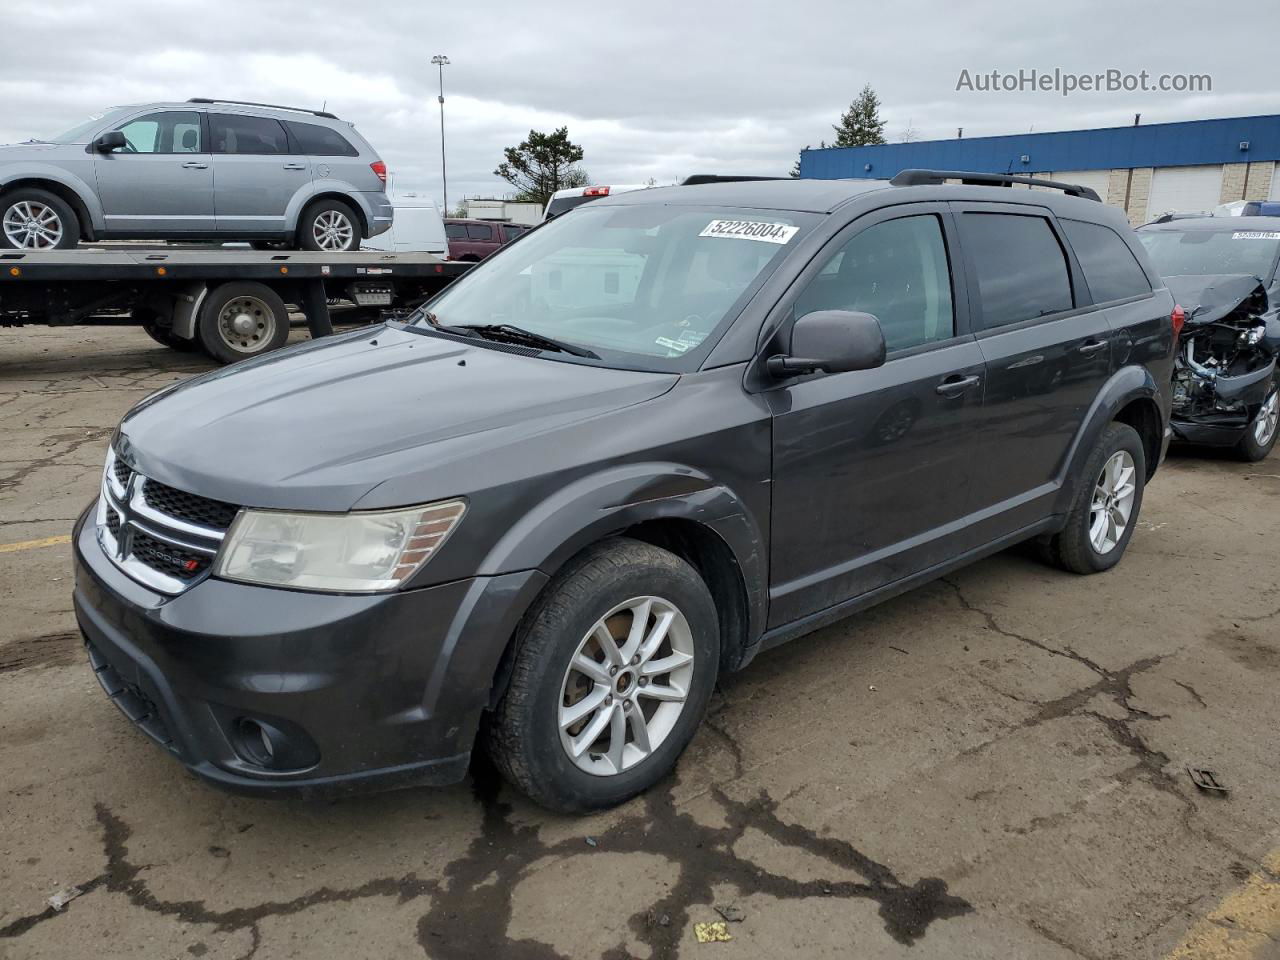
[1242, 925]
[32, 544]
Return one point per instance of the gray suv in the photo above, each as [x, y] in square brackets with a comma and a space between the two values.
[200, 170]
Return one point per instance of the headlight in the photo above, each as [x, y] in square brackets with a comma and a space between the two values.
[341, 552]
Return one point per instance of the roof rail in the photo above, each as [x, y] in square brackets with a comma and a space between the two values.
[912, 178]
[270, 106]
[697, 178]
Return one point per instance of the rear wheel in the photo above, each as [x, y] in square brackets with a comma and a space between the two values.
[330, 226]
[33, 219]
[242, 320]
[615, 666]
[1106, 505]
[1260, 438]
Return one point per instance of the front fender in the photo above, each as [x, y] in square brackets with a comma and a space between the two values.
[1126, 385]
[29, 170]
[595, 507]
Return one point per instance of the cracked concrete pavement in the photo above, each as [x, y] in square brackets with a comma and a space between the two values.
[991, 766]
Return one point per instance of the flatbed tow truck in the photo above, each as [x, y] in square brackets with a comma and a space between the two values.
[233, 303]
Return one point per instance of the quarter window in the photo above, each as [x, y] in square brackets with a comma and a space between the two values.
[237, 134]
[896, 270]
[1021, 269]
[317, 141]
[172, 131]
[1110, 268]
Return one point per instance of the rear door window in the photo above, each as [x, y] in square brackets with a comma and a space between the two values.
[317, 141]
[455, 231]
[1021, 269]
[233, 133]
[1110, 268]
[479, 231]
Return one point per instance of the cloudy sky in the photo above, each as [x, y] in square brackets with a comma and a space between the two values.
[657, 89]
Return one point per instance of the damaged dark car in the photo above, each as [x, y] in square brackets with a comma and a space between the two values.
[1222, 272]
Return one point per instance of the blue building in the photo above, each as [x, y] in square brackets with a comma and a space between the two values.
[1148, 170]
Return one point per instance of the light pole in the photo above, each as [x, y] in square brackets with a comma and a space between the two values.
[441, 61]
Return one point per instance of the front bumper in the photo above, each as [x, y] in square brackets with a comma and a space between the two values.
[355, 691]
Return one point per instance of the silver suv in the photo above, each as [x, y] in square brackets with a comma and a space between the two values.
[200, 170]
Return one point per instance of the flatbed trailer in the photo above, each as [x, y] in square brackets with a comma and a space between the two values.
[233, 303]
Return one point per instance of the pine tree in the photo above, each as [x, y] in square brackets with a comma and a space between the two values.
[861, 124]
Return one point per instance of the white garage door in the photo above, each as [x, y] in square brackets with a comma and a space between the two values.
[1184, 190]
[1095, 180]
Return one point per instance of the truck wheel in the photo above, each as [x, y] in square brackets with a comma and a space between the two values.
[614, 668]
[1106, 505]
[330, 226]
[1261, 435]
[241, 320]
[32, 219]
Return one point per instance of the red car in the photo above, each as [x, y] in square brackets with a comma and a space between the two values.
[473, 240]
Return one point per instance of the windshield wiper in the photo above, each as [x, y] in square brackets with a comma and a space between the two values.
[509, 333]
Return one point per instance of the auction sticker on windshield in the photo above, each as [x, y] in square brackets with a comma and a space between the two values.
[1255, 235]
[749, 230]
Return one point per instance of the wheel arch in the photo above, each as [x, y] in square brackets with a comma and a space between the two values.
[362, 215]
[673, 507]
[63, 191]
[1131, 396]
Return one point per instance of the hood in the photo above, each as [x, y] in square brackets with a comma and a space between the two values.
[12, 151]
[1209, 298]
[318, 426]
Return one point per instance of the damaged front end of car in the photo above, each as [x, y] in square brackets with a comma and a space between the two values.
[1225, 368]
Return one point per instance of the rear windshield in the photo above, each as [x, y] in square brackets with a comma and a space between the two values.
[1180, 253]
[560, 205]
[645, 286]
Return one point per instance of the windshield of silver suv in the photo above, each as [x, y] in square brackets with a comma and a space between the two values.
[1181, 253]
[644, 287]
[80, 132]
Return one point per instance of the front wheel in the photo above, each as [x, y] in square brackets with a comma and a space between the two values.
[613, 672]
[1260, 438]
[1106, 505]
[32, 219]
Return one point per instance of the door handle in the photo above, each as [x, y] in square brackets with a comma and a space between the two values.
[195, 165]
[953, 386]
[295, 166]
[1092, 346]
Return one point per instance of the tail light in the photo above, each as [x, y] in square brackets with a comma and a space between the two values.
[379, 170]
[596, 192]
[1177, 318]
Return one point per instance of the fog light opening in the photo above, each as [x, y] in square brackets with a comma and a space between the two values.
[255, 742]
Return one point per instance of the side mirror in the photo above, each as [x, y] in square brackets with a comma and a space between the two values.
[833, 341]
[112, 140]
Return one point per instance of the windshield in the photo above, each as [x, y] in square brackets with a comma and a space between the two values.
[646, 286]
[1179, 253]
[80, 132]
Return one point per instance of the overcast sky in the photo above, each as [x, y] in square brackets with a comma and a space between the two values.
[658, 89]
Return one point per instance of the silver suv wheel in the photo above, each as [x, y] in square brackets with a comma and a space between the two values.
[333, 230]
[625, 686]
[31, 225]
[1112, 502]
[1264, 425]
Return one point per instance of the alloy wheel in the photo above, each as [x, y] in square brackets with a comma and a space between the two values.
[332, 230]
[31, 225]
[1112, 505]
[626, 686]
[1264, 424]
[246, 324]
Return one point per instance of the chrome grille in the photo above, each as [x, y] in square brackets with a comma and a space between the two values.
[160, 536]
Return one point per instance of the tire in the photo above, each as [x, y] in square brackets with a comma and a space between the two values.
[58, 224]
[242, 320]
[1260, 437]
[526, 736]
[1075, 548]
[317, 219]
